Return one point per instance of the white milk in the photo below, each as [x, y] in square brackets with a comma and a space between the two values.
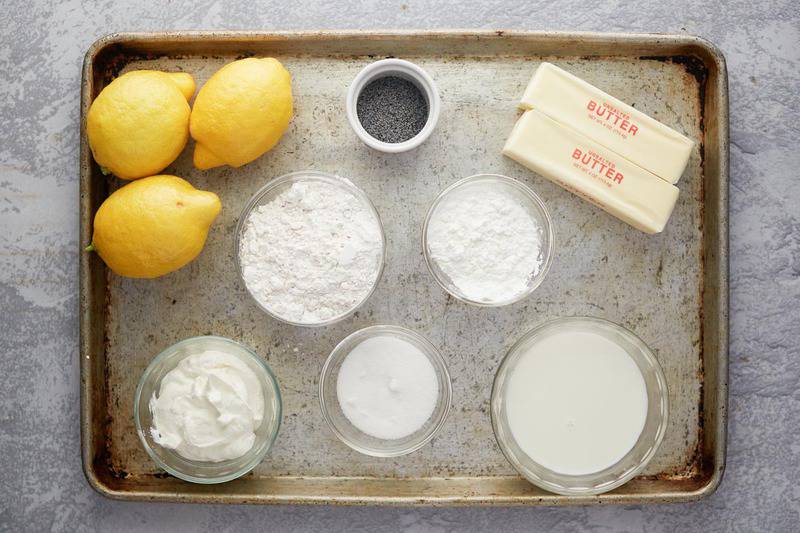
[576, 402]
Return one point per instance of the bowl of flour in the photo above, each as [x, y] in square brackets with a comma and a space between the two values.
[310, 248]
[488, 240]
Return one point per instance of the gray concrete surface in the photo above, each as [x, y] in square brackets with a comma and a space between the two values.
[41, 48]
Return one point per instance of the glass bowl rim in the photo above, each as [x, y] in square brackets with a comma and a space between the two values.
[257, 458]
[324, 177]
[444, 397]
[663, 406]
[547, 220]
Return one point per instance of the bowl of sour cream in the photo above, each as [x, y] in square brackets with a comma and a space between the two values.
[207, 409]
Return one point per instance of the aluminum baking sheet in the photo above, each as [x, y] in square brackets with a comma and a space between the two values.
[671, 289]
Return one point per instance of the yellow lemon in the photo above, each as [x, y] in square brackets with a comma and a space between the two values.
[139, 123]
[153, 226]
[241, 112]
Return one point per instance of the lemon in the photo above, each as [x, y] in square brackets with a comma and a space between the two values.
[139, 123]
[241, 112]
[153, 226]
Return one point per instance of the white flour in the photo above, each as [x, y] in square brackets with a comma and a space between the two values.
[312, 253]
[486, 242]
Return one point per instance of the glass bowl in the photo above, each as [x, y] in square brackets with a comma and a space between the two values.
[527, 198]
[206, 472]
[270, 191]
[649, 439]
[354, 437]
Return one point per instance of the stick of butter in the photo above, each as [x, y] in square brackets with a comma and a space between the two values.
[591, 171]
[608, 121]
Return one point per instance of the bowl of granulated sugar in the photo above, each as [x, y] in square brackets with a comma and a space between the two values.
[310, 248]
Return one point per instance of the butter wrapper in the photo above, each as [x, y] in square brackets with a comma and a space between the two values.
[591, 171]
[608, 121]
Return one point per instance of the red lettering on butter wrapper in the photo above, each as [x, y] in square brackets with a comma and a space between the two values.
[595, 162]
[615, 117]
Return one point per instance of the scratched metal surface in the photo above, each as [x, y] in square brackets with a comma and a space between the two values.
[602, 267]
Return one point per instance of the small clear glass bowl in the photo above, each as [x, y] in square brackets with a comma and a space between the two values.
[634, 461]
[529, 199]
[206, 472]
[269, 192]
[354, 437]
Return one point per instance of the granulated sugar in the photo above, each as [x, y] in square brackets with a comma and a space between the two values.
[486, 242]
[312, 253]
[387, 387]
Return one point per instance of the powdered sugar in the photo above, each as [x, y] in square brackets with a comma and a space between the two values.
[486, 241]
[312, 253]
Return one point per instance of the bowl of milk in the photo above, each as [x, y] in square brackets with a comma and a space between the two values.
[579, 406]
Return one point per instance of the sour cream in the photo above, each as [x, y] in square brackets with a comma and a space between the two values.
[208, 407]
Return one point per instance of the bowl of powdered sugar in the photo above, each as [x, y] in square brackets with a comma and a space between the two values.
[310, 248]
[488, 240]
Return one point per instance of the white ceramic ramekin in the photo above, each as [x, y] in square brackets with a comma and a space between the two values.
[402, 69]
